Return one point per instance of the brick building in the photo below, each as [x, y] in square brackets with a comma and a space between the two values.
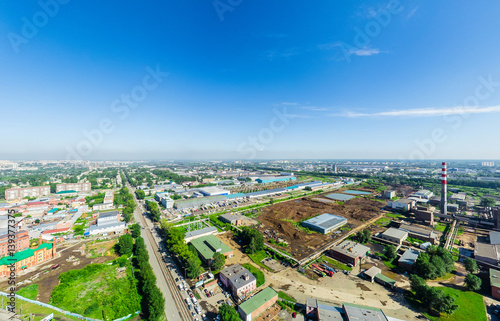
[349, 252]
[239, 280]
[253, 307]
[26, 259]
[495, 283]
[21, 242]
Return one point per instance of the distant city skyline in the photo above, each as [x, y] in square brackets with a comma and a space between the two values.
[166, 80]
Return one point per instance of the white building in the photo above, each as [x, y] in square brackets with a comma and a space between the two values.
[103, 207]
[402, 204]
[423, 193]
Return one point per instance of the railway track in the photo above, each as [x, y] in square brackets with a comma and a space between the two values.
[176, 295]
[179, 301]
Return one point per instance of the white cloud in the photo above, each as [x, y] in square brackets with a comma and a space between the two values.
[425, 112]
[312, 108]
[365, 52]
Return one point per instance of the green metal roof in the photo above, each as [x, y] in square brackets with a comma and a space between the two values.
[19, 256]
[385, 279]
[495, 278]
[67, 192]
[258, 300]
[208, 245]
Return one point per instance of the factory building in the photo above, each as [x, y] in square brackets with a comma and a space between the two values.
[404, 204]
[325, 223]
[423, 194]
[213, 191]
[420, 233]
[388, 194]
[349, 252]
[207, 246]
[231, 219]
[272, 179]
[407, 260]
[394, 235]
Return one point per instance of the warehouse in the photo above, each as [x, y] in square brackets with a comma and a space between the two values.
[266, 193]
[325, 223]
[349, 252]
[272, 179]
[339, 197]
[231, 219]
[195, 202]
[207, 246]
[394, 235]
[213, 191]
[408, 259]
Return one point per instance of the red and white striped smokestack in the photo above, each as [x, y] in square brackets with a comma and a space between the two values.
[444, 205]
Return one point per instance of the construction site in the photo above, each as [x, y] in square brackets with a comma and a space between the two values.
[281, 223]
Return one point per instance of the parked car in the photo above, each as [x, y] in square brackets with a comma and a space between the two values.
[294, 315]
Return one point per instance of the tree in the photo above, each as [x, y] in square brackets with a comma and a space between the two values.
[470, 265]
[219, 260]
[367, 235]
[140, 194]
[390, 252]
[125, 244]
[194, 267]
[136, 230]
[418, 286]
[472, 282]
[228, 313]
[252, 247]
[488, 202]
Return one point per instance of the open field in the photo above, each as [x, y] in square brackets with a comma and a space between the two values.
[98, 291]
[70, 257]
[470, 306]
[282, 221]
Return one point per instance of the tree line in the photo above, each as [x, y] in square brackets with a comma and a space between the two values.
[154, 210]
[152, 302]
[123, 197]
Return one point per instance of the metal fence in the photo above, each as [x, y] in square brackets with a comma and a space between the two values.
[61, 310]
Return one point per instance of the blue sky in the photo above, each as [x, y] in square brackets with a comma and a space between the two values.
[382, 79]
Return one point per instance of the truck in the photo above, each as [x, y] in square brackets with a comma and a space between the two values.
[325, 271]
[326, 267]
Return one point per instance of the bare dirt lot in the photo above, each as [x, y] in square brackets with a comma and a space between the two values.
[276, 222]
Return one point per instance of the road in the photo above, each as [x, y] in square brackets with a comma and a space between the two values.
[175, 308]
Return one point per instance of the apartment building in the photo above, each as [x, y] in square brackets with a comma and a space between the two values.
[16, 193]
[78, 187]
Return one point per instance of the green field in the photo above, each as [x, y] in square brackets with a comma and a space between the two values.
[259, 256]
[98, 291]
[284, 296]
[336, 264]
[29, 292]
[256, 272]
[440, 227]
[470, 306]
[384, 221]
[40, 312]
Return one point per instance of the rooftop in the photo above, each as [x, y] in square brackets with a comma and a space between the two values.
[495, 278]
[108, 214]
[350, 247]
[409, 257]
[357, 312]
[373, 271]
[208, 245]
[201, 231]
[494, 237]
[396, 233]
[418, 230]
[339, 197]
[258, 300]
[19, 256]
[236, 273]
[325, 221]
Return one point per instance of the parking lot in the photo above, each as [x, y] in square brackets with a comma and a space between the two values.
[273, 264]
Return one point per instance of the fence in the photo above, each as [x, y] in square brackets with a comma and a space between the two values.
[61, 310]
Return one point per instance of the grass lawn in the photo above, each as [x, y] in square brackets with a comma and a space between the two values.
[259, 256]
[97, 290]
[256, 272]
[389, 264]
[384, 221]
[440, 227]
[336, 264]
[394, 215]
[29, 292]
[40, 312]
[284, 296]
[470, 306]
[447, 276]
[197, 295]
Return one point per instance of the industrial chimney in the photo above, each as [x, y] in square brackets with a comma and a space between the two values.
[444, 203]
